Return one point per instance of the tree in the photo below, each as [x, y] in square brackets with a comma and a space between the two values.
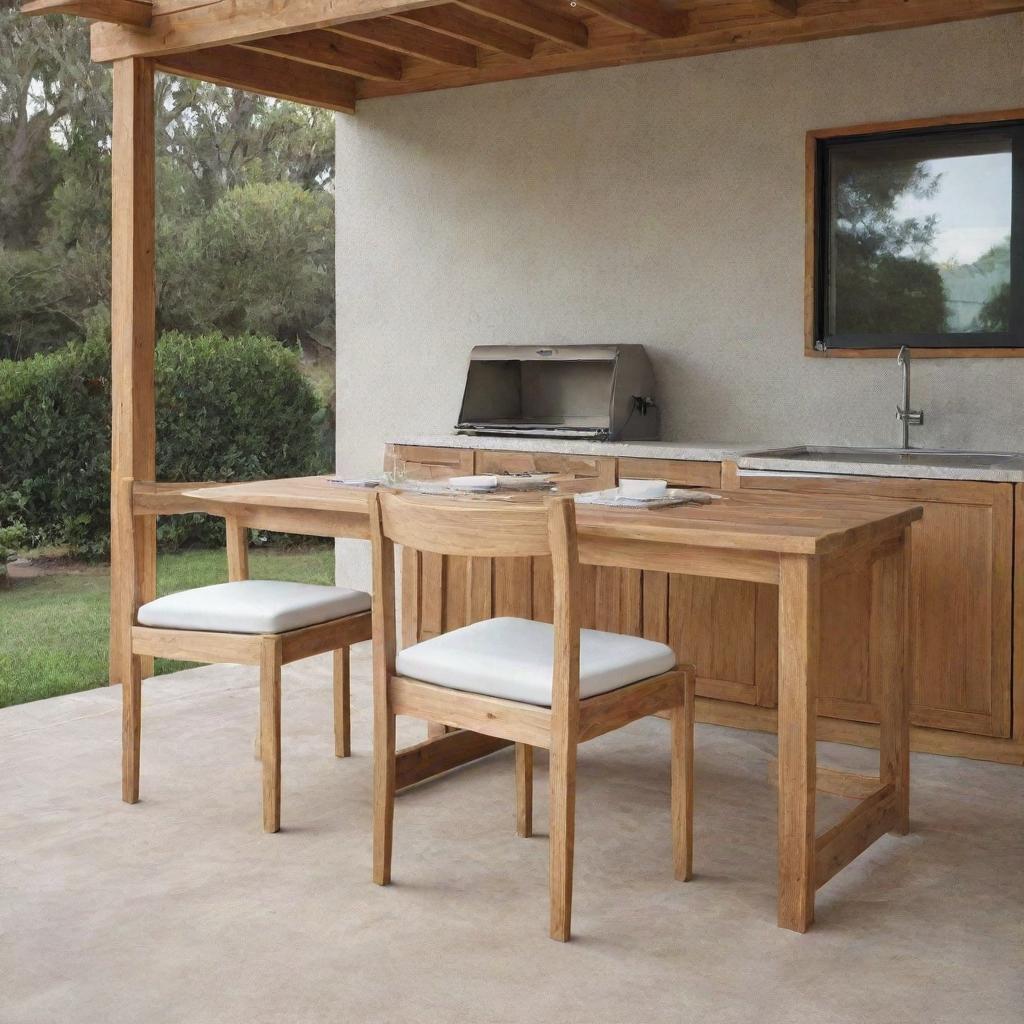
[885, 280]
[55, 118]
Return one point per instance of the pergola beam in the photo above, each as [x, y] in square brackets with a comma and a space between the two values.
[182, 25]
[539, 21]
[643, 15]
[451, 20]
[328, 50]
[410, 40]
[270, 76]
[137, 13]
[780, 8]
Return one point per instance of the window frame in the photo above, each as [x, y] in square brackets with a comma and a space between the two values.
[1009, 344]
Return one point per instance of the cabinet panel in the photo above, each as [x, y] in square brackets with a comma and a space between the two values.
[961, 605]
[676, 473]
[597, 471]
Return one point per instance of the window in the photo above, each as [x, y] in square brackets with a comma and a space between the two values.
[918, 238]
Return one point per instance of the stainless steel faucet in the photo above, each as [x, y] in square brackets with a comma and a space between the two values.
[904, 413]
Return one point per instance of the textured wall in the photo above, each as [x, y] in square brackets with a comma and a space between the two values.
[660, 203]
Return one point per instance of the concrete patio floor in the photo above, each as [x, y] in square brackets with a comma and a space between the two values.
[180, 910]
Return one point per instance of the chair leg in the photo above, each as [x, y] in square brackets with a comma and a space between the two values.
[562, 836]
[131, 731]
[342, 705]
[270, 733]
[524, 790]
[383, 791]
[681, 725]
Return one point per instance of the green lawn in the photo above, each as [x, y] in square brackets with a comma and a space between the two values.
[53, 629]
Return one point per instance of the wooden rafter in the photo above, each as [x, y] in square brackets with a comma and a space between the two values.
[531, 18]
[270, 76]
[781, 8]
[410, 40]
[643, 15]
[328, 50]
[137, 13]
[706, 37]
[451, 20]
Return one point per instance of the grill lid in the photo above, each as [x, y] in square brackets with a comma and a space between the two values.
[601, 392]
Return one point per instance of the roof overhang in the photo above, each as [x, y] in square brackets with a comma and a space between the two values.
[332, 53]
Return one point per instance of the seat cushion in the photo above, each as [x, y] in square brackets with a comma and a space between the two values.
[514, 659]
[252, 606]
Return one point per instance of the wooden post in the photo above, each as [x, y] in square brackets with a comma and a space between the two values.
[133, 350]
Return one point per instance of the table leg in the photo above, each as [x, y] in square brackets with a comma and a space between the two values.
[893, 667]
[799, 634]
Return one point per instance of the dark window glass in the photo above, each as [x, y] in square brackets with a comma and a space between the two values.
[917, 239]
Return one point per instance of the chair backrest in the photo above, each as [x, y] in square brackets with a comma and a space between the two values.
[480, 528]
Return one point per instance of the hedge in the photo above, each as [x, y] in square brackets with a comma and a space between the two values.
[227, 409]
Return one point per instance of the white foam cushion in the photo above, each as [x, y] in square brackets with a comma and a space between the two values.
[252, 606]
[514, 659]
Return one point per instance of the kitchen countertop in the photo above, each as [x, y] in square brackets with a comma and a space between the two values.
[674, 450]
[944, 468]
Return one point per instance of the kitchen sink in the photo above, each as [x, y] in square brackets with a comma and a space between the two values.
[947, 457]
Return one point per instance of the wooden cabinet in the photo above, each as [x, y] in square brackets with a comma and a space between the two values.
[711, 623]
[961, 605]
[962, 601]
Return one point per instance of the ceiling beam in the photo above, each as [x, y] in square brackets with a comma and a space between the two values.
[269, 76]
[643, 15]
[853, 18]
[410, 40]
[327, 50]
[782, 8]
[451, 20]
[137, 13]
[538, 20]
[182, 25]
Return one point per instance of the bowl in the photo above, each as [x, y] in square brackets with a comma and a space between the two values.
[643, 489]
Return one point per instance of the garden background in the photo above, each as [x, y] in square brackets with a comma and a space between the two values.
[245, 313]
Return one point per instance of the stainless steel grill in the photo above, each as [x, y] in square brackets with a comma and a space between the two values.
[600, 392]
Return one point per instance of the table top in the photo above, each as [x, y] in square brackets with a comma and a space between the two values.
[807, 524]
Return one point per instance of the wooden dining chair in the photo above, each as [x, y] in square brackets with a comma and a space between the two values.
[268, 623]
[537, 684]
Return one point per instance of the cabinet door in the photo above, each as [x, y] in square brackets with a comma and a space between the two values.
[725, 628]
[961, 606]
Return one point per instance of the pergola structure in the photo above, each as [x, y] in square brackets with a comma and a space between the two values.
[333, 53]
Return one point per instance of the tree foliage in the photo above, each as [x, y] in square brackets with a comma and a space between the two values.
[240, 178]
[884, 277]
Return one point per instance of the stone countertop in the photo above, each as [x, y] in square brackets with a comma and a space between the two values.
[946, 465]
[917, 465]
[673, 450]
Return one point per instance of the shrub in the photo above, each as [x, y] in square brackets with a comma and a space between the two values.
[11, 539]
[227, 409]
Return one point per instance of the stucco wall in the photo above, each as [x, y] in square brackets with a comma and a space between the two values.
[660, 203]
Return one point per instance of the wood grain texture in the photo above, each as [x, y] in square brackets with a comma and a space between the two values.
[411, 40]
[270, 731]
[341, 687]
[799, 618]
[133, 351]
[962, 593]
[524, 790]
[526, 38]
[135, 13]
[324, 49]
[266, 74]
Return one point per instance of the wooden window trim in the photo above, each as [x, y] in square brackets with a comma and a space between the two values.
[810, 234]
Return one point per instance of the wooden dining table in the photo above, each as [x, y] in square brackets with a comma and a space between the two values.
[797, 542]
